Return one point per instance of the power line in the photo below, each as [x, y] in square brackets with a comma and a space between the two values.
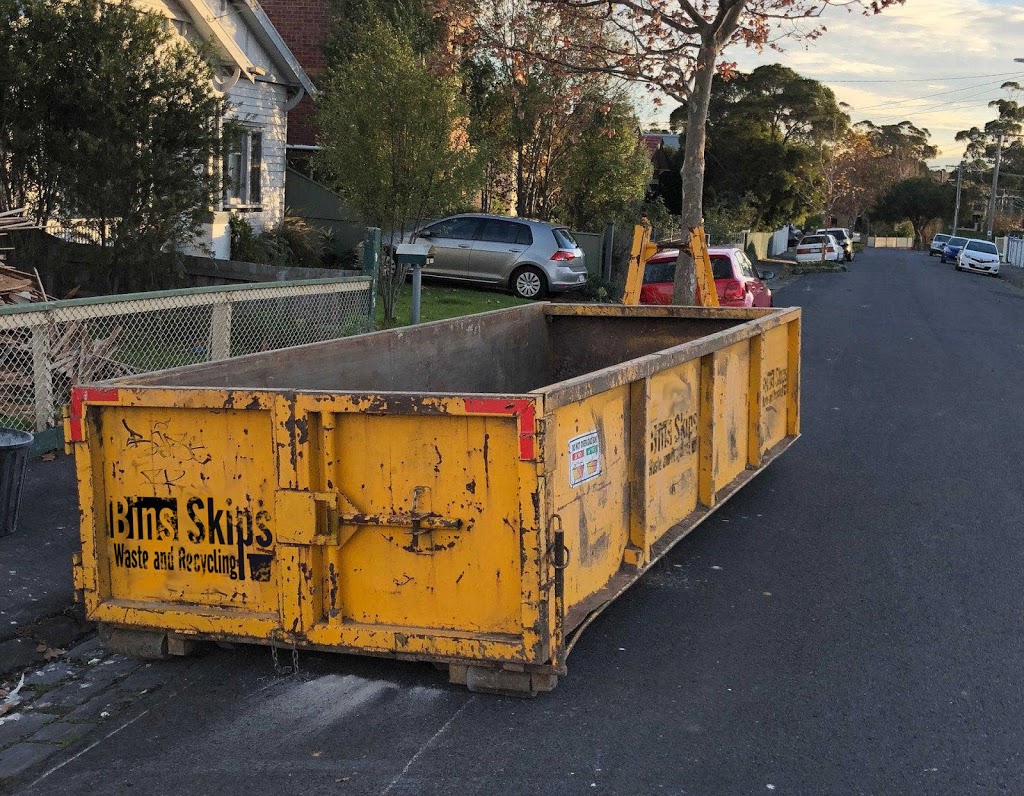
[927, 79]
[939, 108]
[986, 85]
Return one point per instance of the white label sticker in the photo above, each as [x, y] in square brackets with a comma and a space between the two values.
[584, 458]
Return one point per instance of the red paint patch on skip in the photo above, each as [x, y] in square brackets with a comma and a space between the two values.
[522, 410]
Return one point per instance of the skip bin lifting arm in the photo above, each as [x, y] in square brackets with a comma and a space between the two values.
[640, 253]
[696, 246]
[707, 296]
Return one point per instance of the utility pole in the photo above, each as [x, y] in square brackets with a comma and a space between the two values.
[959, 184]
[995, 185]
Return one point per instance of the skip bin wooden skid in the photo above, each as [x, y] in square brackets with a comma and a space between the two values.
[466, 492]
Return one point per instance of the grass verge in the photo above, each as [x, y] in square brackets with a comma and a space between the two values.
[439, 302]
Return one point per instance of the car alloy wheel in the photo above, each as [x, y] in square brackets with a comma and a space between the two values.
[528, 283]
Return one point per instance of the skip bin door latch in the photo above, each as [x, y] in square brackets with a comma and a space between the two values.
[328, 518]
[420, 520]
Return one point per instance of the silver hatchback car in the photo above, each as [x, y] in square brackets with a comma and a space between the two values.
[530, 258]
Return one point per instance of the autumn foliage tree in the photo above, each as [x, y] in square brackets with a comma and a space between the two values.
[673, 46]
[867, 162]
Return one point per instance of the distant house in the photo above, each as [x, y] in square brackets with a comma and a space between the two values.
[660, 147]
[263, 81]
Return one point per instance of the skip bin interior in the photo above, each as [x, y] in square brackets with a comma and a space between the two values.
[510, 351]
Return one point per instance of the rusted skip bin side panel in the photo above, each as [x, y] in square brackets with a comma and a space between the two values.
[589, 478]
[669, 441]
[775, 385]
[634, 466]
[729, 387]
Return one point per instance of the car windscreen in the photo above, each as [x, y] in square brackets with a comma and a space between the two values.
[564, 239]
[981, 246]
[812, 240]
[659, 272]
[956, 241]
[941, 238]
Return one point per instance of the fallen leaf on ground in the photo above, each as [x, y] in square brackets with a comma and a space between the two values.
[49, 653]
[49, 457]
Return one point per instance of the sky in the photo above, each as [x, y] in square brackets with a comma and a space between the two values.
[936, 63]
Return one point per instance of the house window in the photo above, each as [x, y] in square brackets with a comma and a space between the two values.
[243, 171]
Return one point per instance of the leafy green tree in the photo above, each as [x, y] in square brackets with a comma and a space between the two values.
[109, 122]
[980, 151]
[393, 141]
[558, 145]
[355, 22]
[605, 170]
[919, 200]
[765, 134]
[676, 48]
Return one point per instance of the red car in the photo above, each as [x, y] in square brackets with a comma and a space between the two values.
[737, 281]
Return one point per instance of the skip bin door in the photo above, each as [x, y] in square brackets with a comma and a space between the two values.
[409, 528]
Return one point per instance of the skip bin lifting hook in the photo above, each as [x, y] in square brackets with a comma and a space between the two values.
[559, 553]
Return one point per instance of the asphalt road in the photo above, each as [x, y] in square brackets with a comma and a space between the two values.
[851, 623]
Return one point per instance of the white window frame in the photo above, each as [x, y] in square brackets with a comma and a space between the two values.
[238, 194]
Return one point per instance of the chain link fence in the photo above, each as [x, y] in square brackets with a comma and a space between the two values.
[46, 349]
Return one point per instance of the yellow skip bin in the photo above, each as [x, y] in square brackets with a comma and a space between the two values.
[468, 492]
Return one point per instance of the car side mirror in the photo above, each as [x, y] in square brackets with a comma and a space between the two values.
[425, 234]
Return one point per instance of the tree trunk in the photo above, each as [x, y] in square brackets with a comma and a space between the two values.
[918, 226]
[684, 290]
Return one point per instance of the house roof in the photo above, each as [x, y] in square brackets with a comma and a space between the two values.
[268, 36]
[209, 26]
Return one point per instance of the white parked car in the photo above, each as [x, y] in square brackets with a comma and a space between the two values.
[809, 249]
[979, 255]
[842, 236]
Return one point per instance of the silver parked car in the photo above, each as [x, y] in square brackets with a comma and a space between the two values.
[530, 258]
[938, 244]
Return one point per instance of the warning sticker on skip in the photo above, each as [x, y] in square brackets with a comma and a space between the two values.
[584, 458]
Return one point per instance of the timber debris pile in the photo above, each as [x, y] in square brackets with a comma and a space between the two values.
[16, 287]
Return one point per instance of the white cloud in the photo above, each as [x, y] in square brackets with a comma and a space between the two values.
[922, 44]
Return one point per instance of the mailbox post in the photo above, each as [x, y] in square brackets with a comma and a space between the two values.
[415, 255]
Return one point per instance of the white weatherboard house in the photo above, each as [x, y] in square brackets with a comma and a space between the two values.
[263, 81]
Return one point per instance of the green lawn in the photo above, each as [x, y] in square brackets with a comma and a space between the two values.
[440, 302]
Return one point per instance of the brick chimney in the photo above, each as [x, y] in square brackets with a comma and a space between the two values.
[303, 24]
